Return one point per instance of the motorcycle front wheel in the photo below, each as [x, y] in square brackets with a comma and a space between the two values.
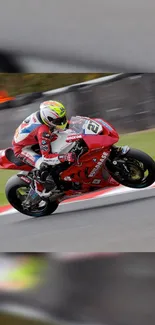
[135, 169]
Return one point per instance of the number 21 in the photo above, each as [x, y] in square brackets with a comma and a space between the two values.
[92, 126]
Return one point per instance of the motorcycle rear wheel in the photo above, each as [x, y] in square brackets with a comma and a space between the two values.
[12, 188]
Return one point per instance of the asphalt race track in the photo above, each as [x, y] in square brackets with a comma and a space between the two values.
[127, 226]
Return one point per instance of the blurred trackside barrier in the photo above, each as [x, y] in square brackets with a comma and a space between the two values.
[91, 98]
[125, 100]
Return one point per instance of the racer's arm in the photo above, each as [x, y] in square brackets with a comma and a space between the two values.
[44, 139]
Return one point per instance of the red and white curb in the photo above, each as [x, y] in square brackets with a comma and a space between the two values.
[89, 196]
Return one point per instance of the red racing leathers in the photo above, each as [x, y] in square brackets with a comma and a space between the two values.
[31, 132]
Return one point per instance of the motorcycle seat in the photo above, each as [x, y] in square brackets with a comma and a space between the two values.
[9, 153]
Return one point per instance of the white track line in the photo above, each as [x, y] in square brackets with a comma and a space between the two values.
[12, 211]
[115, 191]
[124, 189]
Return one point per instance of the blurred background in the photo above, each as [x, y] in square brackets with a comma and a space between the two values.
[108, 289]
[128, 103]
[30, 82]
[56, 37]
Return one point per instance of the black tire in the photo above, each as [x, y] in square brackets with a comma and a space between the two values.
[149, 164]
[21, 100]
[10, 190]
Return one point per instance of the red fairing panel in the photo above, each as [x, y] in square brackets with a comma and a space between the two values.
[93, 161]
[99, 141]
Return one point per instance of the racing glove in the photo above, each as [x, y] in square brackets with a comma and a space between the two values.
[69, 157]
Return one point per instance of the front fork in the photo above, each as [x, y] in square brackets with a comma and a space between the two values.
[115, 163]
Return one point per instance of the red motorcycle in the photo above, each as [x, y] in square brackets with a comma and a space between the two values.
[99, 164]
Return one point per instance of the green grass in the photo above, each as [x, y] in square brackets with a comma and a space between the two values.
[11, 319]
[142, 140]
[4, 176]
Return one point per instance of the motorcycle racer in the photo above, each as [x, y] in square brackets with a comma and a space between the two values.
[36, 129]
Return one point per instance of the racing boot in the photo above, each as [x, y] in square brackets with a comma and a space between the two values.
[46, 178]
[50, 181]
[42, 187]
[44, 183]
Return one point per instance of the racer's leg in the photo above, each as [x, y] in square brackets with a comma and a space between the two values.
[27, 155]
[36, 160]
[44, 181]
[49, 175]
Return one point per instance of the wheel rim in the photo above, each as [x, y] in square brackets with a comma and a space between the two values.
[21, 194]
[136, 172]
[139, 172]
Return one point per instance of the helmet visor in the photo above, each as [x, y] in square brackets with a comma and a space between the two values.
[58, 121]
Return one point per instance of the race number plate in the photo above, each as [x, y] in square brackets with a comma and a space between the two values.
[92, 127]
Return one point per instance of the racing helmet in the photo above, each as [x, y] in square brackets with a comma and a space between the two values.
[53, 114]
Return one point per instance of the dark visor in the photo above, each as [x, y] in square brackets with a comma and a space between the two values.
[58, 121]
